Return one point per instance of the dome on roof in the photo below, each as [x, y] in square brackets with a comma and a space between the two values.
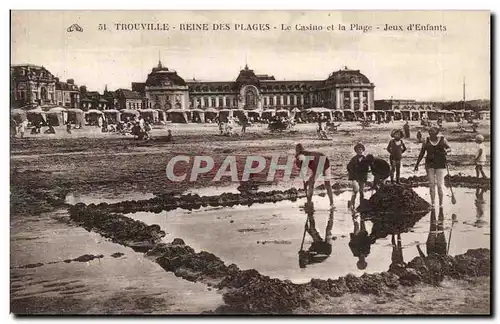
[347, 76]
[162, 76]
[247, 76]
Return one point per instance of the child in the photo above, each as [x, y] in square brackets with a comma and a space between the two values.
[315, 160]
[480, 159]
[22, 128]
[68, 127]
[321, 131]
[169, 136]
[396, 148]
[379, 168]
[419, 137]
[358, 173]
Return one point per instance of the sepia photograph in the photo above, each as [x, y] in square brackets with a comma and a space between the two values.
[279, 162]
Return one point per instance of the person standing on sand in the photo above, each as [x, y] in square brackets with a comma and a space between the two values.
[406, 128]
[244, 123]
[22, 128]
[396, 148]
[357, 170]
[100, 122]
[68, 127]
[314, 165]
[435, 149]
[480, 159]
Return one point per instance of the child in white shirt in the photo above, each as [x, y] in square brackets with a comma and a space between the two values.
[480, 158]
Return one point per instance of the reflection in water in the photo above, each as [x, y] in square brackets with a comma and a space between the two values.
[320, 248]
[436, 240]
[397, 251]
[360, 242]
[383, 225]
[480, 204]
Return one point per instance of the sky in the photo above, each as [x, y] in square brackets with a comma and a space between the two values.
[420, 65]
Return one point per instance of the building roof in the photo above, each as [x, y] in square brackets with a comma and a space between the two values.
[128, 94]
[347, 76]
[265, 77]
[31, 72]
[27, 65]
[246, 76]
[162, 76]
[66, 86]
[139, 87]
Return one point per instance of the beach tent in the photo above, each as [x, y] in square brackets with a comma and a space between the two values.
[57, 116]
[92, 116]
[76, 116]
[198, 112]
[349, 114]
[19, 115]
[162, 115]
[177, 116]
[113, 115]
[239, 113]
[283, 112]
[36, 115]
[151, 114]
[210, 114]
[359, 114]
[126, 114]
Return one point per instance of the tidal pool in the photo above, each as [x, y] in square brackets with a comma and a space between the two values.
[267, 237]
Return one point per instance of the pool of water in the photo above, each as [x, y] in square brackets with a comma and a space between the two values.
[121, 284]
[267, 237]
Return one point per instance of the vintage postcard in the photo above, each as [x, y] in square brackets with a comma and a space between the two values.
[250, 162]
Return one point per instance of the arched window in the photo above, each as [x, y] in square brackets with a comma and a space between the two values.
[44, 93]
[250, 98]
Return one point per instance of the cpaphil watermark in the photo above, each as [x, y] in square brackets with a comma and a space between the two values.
[191, 168]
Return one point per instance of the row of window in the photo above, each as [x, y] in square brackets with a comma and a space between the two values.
[357, 106]
[214, 102]
[135, 105]
[168, 98]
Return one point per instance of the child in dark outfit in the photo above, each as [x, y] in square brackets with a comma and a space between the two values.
[396, 148]
[379, 168]
[358, 174]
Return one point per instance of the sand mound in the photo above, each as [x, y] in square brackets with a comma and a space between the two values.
[394, 199]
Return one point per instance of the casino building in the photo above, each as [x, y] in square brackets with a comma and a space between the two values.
[344, 90]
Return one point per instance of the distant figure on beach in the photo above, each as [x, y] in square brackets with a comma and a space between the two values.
[406, 129]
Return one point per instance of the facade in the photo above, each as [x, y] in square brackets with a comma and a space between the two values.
[400, 104]
[67, 94]
[163, 90]
[343, 90]
[32, 84]
[127, 99]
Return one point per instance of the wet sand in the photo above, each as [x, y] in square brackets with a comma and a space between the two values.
[44, 171]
